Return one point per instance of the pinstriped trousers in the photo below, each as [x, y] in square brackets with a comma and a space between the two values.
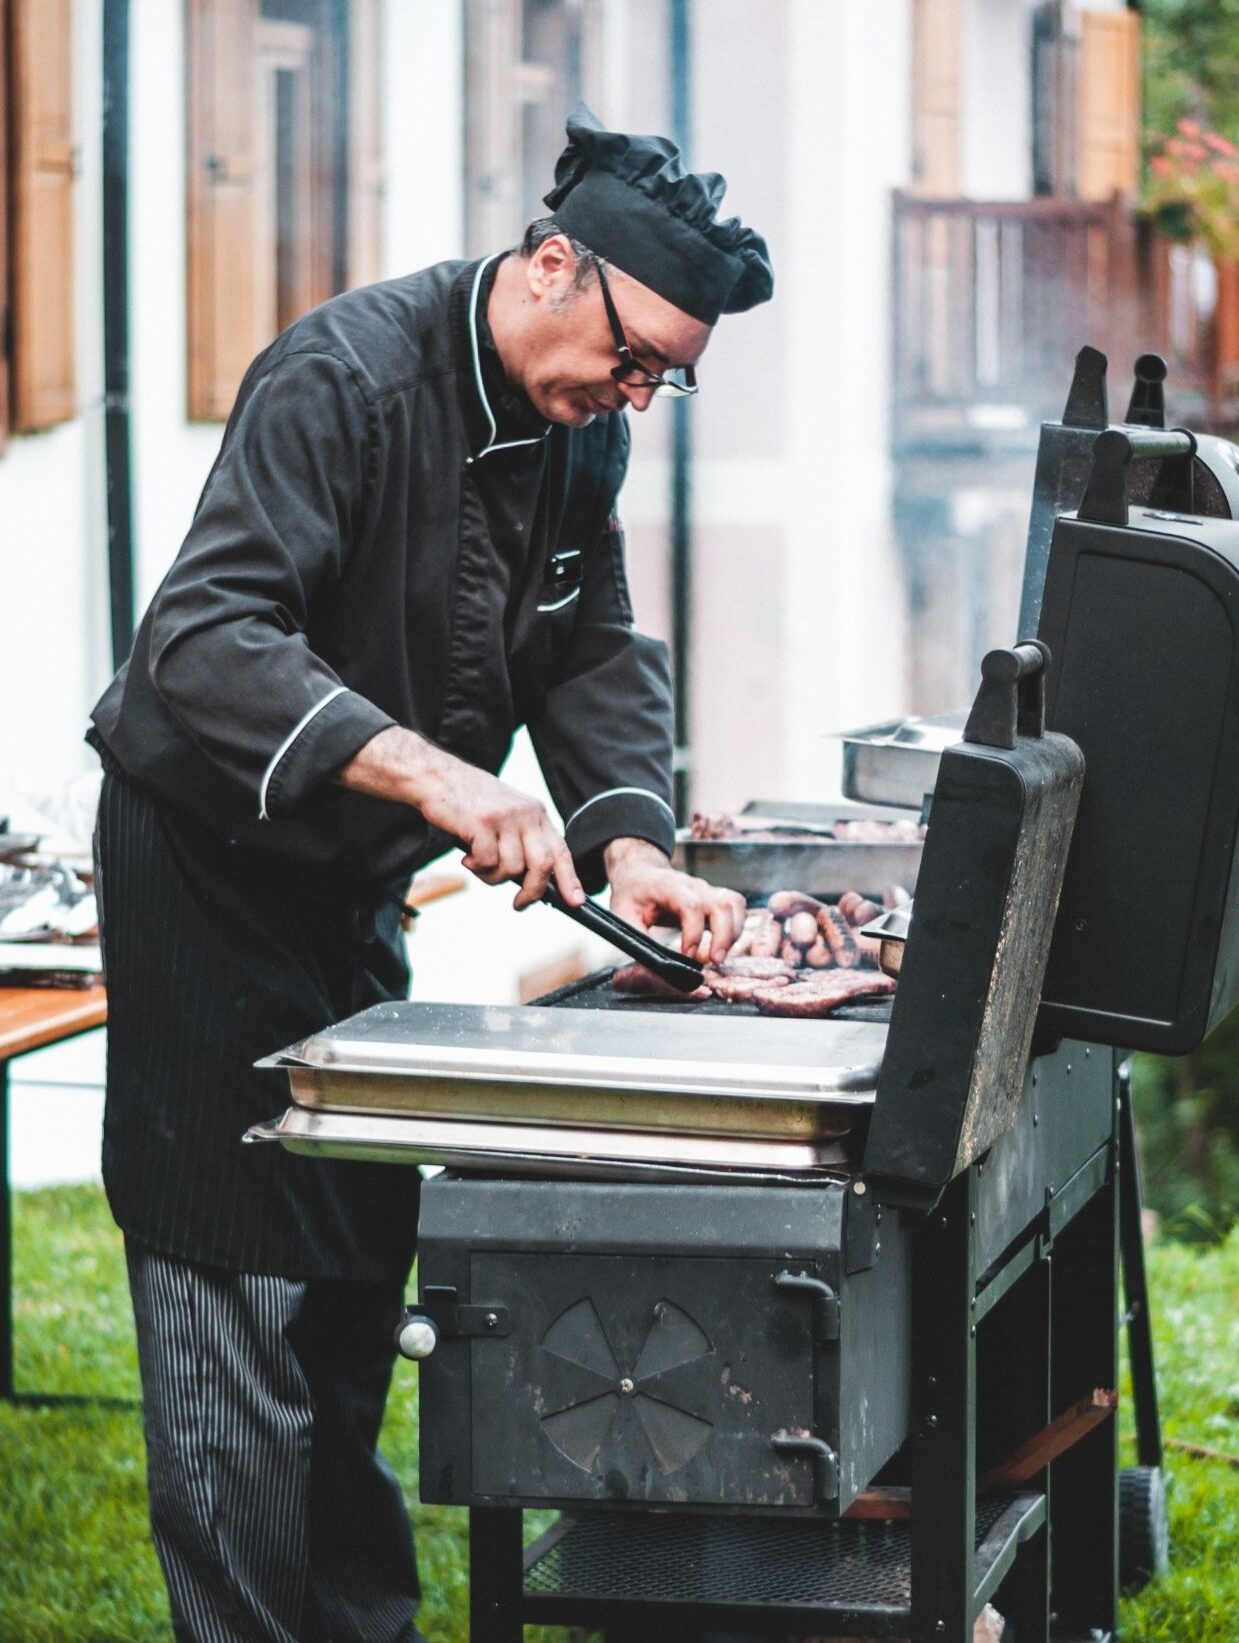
[274, 1517]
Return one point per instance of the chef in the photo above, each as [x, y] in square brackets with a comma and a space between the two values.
[407, 548]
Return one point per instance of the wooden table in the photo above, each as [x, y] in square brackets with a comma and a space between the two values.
[30, 1019]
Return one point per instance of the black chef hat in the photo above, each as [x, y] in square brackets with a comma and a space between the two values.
[632, 202]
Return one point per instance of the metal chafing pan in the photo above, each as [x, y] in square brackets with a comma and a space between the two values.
[534, 1149]
[634, 1071]
[897, 763]
[821, 866]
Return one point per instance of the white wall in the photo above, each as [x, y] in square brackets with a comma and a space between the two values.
[423, 133]
[53, 545]
[797, 605]
[171, 456]
[996, 132]
[850, 147]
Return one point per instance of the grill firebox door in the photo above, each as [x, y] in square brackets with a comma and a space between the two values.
[723, 1348]
[648, 1378]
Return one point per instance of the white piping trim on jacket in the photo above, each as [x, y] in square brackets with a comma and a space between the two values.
[610, 793]
[288, 741]
[490, 445]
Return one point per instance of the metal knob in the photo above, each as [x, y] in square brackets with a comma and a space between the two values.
[416, 1337]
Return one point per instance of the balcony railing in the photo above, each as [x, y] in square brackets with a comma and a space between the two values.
[993, 299]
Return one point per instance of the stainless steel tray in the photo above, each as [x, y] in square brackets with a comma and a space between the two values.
[632, 1070]
[897, 763]
[825, 867]
[527, 1149]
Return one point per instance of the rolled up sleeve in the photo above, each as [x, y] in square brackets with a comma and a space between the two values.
[284, 503]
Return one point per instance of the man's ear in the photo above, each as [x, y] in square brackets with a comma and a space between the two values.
[551, 267]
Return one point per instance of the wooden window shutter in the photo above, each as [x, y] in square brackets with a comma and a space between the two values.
[1108, 111]
[42, 168]
[365, 157]
[937, 54]
[220, 201]
[5, 311]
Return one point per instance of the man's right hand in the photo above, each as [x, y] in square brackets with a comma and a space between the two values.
[506, 834]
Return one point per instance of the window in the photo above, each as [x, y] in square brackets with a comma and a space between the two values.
[284, 180]
[528, 62]
[1086, 102]
[37, 182]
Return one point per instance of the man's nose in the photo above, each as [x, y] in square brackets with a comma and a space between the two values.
[638, 394]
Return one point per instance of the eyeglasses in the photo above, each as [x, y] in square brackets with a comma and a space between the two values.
[678, 382]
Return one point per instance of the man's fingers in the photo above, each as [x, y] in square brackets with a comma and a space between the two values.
[483, 856]
[513, 858]
[539, 864]
[692, 930]
[570, 887]
[726, 923]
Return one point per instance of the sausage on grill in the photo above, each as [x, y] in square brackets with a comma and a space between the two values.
[839, 938]
[635, 981]
[742, 989]
[823, 993]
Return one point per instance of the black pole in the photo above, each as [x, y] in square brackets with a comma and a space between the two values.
[681, 466]
[117, 458]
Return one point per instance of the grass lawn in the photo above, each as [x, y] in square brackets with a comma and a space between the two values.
[76, 1565]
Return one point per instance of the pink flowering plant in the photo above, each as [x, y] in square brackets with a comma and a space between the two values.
[1193, 189]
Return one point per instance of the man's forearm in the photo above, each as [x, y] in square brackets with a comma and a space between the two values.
[624, 853]
[397, 764]
[505, 834]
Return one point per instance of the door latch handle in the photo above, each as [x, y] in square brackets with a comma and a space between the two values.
[827, 1301]
[826, 1462]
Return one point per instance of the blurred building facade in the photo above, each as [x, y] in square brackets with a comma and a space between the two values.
[832, 537]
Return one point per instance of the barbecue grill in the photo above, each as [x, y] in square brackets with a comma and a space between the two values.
[771, 1310]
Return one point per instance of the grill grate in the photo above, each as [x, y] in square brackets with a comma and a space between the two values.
[593, 992]
[653, 1557]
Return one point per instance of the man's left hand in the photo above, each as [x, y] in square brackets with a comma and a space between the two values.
[646, 890]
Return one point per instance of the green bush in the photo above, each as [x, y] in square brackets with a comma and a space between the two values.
[1187, 1111]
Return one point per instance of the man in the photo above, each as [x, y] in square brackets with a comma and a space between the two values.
[406, 549]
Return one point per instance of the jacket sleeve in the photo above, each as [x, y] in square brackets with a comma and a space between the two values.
[604, 734]
[229, 653]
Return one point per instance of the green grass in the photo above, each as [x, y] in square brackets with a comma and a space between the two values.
[76, 1565]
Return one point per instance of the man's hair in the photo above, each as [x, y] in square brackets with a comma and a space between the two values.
[544, 228]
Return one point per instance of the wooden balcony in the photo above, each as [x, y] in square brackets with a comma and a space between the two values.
[991, 301]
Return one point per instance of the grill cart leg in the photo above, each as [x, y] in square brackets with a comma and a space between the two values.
[6, 1243]
[496, 1575]
[944, 1451]
[1084, 1481]
[1144, 1542]
[1139, 1327]
[1013, 1400]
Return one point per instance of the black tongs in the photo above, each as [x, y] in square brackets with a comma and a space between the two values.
[676, 969]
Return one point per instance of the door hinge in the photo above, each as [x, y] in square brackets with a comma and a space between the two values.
[454, 1318]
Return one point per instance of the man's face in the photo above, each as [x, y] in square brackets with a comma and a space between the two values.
[570, 352]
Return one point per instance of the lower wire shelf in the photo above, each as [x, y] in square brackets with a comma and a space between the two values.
[852, 1577]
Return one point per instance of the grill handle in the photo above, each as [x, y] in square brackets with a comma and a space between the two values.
[1011, 700]
[1105, 497]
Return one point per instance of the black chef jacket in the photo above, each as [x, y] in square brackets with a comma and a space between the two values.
[389, 536]
[369, 551]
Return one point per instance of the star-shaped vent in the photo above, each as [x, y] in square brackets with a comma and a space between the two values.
[579, 1429]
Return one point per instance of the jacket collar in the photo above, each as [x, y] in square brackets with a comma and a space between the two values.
[497, 420]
